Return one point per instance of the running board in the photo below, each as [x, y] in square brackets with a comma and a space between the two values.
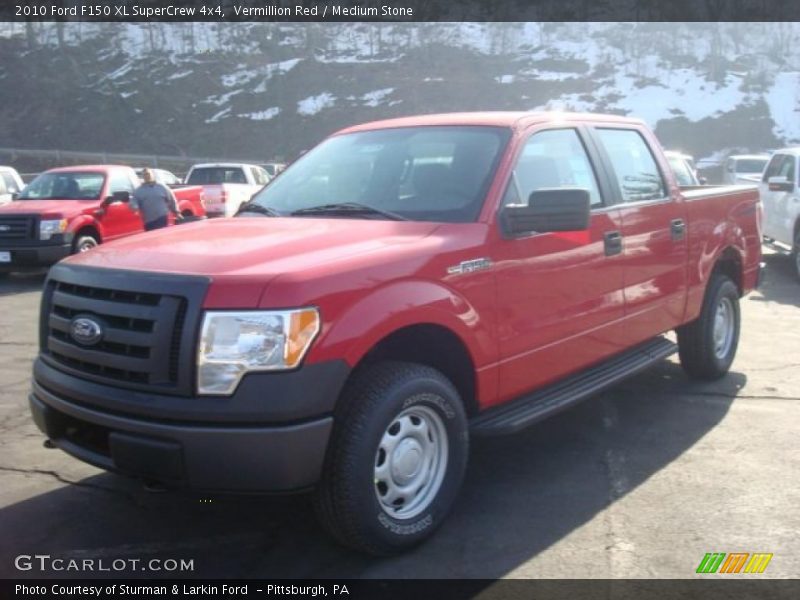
[527, 410]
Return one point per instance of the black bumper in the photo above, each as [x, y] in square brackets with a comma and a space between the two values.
[30, 257]
[215, 450]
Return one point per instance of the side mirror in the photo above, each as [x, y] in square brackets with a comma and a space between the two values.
[702, 180]
[551, 209]
[14, 195]
[118, 197]
[780, 184]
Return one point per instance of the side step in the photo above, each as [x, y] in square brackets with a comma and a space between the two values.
[527, 410]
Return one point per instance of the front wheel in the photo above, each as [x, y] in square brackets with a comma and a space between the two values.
[707, 346]
[84, 243]
[396, 460]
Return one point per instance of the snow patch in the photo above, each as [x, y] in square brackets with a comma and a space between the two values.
[783, 99]
[375, 97]
[217, 117]
[313, 104]
[261, 115]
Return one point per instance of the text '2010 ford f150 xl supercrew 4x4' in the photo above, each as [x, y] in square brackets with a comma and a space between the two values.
[402, 286]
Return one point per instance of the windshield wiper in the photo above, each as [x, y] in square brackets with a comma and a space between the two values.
[348, 208]
[257, 208]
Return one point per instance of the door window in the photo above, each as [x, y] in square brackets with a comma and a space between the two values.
[120, 182]
[550, 159]
[638, 177]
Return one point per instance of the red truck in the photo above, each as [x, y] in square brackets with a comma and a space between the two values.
[73, 209]
[403, 286]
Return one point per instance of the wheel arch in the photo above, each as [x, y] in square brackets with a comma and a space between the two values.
[433, 345]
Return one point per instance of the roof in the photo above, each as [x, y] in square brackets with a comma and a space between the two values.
[509, 119]
[81, 168]
[223, 164]
[795, 150]
[748, 156]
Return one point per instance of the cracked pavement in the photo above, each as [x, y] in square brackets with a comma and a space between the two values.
[640, 481]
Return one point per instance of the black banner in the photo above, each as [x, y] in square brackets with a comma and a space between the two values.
[549, 589]
[222, 11]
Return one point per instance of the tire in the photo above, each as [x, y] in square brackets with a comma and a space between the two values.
[796, 254]
[84, 243]
[414, 410]
[707, 346]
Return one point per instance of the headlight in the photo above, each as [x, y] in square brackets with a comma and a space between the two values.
[49, 228]
[235, 343]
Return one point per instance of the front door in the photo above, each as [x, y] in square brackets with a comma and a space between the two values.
[119, 220]
[559, 294]
[779, 205]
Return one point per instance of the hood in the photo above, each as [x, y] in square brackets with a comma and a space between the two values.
[66, 208]
[257, 247]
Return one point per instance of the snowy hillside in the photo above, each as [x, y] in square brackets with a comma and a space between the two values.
[270, 90]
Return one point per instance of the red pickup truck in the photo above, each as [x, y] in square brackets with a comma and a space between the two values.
[73, 209]
[401, 287]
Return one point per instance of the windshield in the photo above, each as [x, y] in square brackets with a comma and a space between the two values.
[63, 185]
[751, 165]
[216, 175]
[417, 173]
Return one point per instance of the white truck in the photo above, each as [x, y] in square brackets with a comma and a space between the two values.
[10, 184]
[744, 169]
[780, 198]
[226, 186]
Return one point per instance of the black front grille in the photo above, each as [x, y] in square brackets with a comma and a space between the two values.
[144, 343]
[17, 228]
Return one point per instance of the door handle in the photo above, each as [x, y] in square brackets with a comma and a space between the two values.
[612, 240]
[677, 229]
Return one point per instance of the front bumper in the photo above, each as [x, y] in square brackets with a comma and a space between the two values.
[205, 453]
[28, 257]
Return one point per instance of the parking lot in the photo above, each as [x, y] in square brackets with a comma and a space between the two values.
[641, 481]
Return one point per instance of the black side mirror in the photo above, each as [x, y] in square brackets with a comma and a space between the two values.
[780, 184]
[118, 197]
[14, 195]
[551, 209]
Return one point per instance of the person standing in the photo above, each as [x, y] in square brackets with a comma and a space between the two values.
[154, 201]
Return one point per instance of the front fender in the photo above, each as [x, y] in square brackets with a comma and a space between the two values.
[82, 221]
[357, 329]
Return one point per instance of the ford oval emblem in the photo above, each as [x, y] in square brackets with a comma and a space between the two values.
[85, 330]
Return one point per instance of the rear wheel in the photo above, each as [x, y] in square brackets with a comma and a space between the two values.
[84, 243]
[707, 346]
[796, 254]
[396, 459]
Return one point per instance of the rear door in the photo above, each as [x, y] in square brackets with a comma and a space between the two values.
[559, 294]
[654, 232]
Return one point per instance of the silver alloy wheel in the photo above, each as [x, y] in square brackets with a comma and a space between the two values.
[724, 323]
[87, 245]
[411, 462]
